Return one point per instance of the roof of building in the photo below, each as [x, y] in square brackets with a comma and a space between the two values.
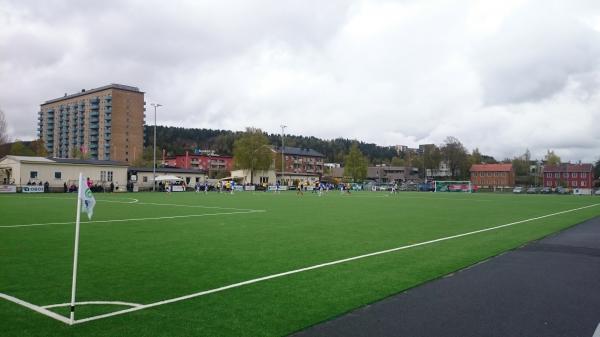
[199, 155]
[296, 151]
[569, 168]
[29, 158]
[88, 161]
[167, 170]
[491, 168]
[34, 159]
[91, 91]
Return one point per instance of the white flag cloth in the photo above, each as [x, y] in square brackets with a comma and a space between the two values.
[87, 199]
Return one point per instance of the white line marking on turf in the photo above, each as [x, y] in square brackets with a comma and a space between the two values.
[136, 201]
[235, 285]
[92, 303]
[133, 200]
[36, 308]
[597, 332]
[194, 206]
[135, 219]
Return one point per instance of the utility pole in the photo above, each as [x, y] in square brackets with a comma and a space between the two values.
[155, 105]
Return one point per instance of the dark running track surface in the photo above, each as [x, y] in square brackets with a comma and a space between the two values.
[548, 288]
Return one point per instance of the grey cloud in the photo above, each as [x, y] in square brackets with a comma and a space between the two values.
[534, 54]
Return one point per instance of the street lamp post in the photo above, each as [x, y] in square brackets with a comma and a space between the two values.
[282, 150]
[155, 105]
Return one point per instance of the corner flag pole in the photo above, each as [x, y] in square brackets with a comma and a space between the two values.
[74, 284]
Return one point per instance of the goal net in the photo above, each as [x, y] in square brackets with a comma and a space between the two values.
[453, 186]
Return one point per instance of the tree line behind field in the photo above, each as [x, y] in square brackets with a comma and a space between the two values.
[177, 140]
[348, 152]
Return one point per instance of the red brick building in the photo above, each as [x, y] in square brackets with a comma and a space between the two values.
[299, 165]
[569, 175]
[211, 164]
[493, 175]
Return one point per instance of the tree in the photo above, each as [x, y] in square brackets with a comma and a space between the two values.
[476, 157]
[432, 157]
[397, 161]
[39, 148]
[456, 155]
[597, 169]
[77, 153]
[355, 164]
[520, 165]
[552, 159]
[19, 149]
[251, 151]
[417, 161]
[3, 132]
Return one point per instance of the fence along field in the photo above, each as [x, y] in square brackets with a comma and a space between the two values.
[189, 246]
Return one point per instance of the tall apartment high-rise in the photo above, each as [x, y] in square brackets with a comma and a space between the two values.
[106, 123]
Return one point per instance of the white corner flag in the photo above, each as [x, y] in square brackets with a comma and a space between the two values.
[85, 194]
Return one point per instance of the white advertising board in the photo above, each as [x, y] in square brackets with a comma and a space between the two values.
[8, 188]
[32, 189]
[177, 188]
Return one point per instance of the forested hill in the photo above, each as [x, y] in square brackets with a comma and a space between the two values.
[177, 140]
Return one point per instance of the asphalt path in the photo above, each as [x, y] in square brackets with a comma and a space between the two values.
[548, 288]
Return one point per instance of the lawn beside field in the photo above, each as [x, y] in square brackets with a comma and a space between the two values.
[165, 246]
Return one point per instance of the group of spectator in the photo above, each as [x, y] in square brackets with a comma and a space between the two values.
[46, 185]
[91, 185]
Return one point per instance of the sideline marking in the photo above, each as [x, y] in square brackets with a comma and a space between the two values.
[134, 201]
[194, 206]
[93, 303]
[137, 219]
[264, 278]
[36, 308]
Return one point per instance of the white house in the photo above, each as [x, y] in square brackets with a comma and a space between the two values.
[21, 170]
[142, 177]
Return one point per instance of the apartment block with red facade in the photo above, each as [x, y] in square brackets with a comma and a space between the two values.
[569, 175]
[211, 164]
[493, 175]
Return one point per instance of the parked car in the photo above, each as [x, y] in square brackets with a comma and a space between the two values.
[518, 189]
[546, 190]
[562, 190]
[597, 192]
[532, 190]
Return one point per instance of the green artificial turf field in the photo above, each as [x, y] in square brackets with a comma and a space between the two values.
[144, 248]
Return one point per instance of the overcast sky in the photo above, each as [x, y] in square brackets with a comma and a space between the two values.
[502, 76]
